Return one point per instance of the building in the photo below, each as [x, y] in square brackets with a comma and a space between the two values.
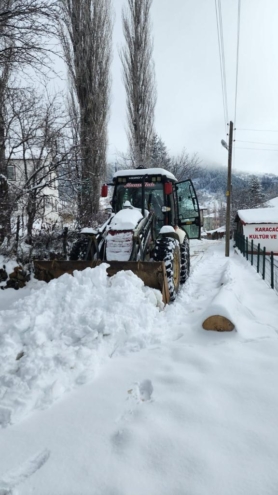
[216, 234]
[260, 225]
[18, 170]
[209, 221]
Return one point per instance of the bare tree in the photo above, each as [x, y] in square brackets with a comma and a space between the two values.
[5, 208]
[71, 173]
[184, 166]
[25, 30]
[86, 36]
[4, 77]
[36, 137]
[139, 78]
[26, 27]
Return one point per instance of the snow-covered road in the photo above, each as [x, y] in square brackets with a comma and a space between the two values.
[157, 405]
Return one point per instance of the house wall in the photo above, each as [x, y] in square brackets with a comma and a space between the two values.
[264, 234]
[208, 222]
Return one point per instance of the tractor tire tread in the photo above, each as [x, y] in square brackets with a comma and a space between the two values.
[185, 260]
[164, 251]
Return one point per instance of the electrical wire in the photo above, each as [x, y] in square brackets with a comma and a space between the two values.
[257, 130]
[237, 56]
[256, 142]
[222, 62]
[255, 149]
[223, 57]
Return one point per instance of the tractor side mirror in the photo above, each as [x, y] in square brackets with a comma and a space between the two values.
[168, 188]
[104, 191]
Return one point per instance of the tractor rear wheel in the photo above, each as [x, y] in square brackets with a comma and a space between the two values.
[185, 260]
[167, 249]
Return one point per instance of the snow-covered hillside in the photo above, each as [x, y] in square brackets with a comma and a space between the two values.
[104, 393]
[272, 203]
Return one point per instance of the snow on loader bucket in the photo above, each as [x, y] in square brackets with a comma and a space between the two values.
[152, 273]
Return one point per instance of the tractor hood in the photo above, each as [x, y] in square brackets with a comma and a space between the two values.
[126, 219]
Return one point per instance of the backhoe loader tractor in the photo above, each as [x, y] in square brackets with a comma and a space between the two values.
[153, 217]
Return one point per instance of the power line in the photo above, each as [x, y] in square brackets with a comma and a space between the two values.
[223, 57]
[257, 130]
[221, 60]
[237, 55]
[256, 142]
[255, 149]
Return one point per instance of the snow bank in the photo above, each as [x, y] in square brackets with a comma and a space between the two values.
[61, 335]
[195, 416]
[224, 301]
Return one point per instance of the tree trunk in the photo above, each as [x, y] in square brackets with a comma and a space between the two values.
[86, 40]
[5, 207]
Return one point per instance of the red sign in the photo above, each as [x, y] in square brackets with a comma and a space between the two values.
[147, 184]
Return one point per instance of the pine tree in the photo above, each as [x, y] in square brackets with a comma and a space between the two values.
[255, 195]
[158, 153]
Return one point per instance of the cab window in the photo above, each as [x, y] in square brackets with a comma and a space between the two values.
[132, 192]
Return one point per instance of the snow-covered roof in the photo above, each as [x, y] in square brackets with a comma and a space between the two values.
[144, 171]
[259, 215]
[211, 215]
[220, 229]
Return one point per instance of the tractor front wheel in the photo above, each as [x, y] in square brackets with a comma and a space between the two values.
[185, 260]
[167, 249]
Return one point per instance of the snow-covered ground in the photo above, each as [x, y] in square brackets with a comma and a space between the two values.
[104, 393]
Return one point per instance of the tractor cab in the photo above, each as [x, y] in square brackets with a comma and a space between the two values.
[157, 191]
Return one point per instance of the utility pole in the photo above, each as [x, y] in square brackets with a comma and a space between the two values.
[228, 192]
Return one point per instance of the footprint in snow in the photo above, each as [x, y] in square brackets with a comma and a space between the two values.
[16, 476]
[146, 390]
[142, 391]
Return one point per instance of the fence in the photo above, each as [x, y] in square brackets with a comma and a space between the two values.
[266, 265]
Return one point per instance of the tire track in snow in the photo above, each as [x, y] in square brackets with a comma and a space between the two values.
[198, 293]
[203, 284]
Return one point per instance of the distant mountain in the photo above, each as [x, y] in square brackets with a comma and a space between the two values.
[214, 180]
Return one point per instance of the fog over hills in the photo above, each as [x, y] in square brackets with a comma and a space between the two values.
[213, 179]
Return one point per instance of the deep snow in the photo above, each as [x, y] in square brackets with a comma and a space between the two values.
[114, 396]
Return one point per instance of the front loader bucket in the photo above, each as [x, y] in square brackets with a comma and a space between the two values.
[152, 273]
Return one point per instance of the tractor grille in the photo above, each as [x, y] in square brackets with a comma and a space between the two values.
[119, 245]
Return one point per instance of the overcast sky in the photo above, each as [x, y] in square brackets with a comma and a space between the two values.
[189, 111]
